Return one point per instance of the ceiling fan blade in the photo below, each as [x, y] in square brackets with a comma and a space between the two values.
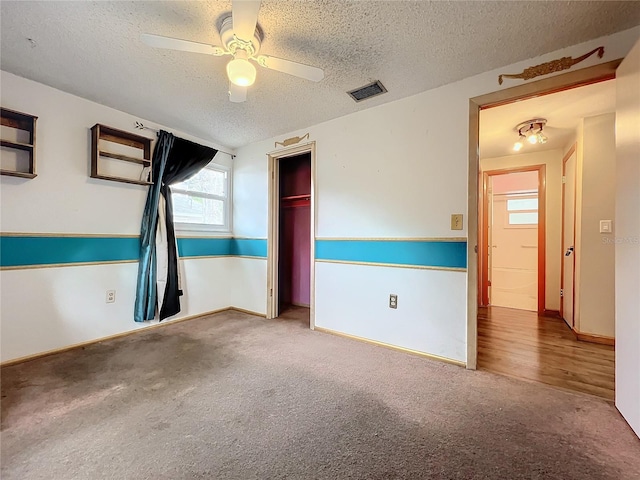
[237, 94]
[159, 41]
[245, 17]
[308, 72]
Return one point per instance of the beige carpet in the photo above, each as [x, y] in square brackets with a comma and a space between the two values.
[238, 397]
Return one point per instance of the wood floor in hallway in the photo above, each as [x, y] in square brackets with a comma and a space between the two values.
[522, 344]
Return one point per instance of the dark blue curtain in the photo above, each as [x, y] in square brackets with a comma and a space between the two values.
[185, 160]
[174, 160]
[146, 291]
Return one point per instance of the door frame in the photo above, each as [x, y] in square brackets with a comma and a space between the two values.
[273, 227]
[483, 221]
[565, 159]
[566, 81]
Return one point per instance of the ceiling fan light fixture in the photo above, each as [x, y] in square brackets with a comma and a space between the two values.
[241, 37]
[240, 71]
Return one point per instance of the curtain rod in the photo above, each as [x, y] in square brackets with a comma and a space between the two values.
[141, 126]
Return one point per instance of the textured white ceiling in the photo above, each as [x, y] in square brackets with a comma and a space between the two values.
[563, 111]
[93, 49]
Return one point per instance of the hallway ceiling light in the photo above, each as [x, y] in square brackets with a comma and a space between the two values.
[519, 144]
[531, 131]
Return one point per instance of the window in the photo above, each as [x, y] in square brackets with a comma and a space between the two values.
[523, 218]
[522, 211]
[202, 203]
[522, 204]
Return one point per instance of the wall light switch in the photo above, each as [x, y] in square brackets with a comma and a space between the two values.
[605, 226]
[456, 221]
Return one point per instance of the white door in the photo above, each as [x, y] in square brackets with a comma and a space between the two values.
[569, 262]
[514, 251]
[626, 230]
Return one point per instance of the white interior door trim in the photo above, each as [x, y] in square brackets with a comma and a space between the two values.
[272, 234]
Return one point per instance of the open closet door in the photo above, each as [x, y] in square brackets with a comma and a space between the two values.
[568, 240]
[627, 234]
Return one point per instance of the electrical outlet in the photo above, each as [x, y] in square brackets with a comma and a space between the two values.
[393, 301]
[111, 296]
[456, 221]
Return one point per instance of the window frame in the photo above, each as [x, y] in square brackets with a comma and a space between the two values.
[226, 201]
[508, 212]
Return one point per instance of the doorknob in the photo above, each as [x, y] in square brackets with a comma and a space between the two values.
[568, 252]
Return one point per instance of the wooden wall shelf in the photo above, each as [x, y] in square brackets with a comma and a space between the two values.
[132, 149]
[126, 158]
[21, 127]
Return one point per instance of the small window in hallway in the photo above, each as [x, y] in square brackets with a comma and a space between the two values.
[523, 218]
[522, 211]
[514, 204]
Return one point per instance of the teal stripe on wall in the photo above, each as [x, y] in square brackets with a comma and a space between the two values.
[16, 251]
[402, 252]
[249, 247]
[25, 251]
[243, 247]
[200, 247]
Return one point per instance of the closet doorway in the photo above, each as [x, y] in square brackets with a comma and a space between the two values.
[294, 248]
[291, 245]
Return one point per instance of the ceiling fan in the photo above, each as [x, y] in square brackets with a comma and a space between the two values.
[241, 39]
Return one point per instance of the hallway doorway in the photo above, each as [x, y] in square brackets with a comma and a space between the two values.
[518, 336]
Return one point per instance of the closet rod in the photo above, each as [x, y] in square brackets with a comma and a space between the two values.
[306, 196]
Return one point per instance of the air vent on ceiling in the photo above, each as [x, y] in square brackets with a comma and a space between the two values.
[368, 91]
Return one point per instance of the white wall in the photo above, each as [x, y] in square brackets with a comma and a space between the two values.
[595, 279]
[354, 299]
[248, 284]
[63, 164]
[627, 235]
[395, 170]
[48, 308]
[44, 309]
[552, 159]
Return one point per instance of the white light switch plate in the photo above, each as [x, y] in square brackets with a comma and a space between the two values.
[605, 226]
